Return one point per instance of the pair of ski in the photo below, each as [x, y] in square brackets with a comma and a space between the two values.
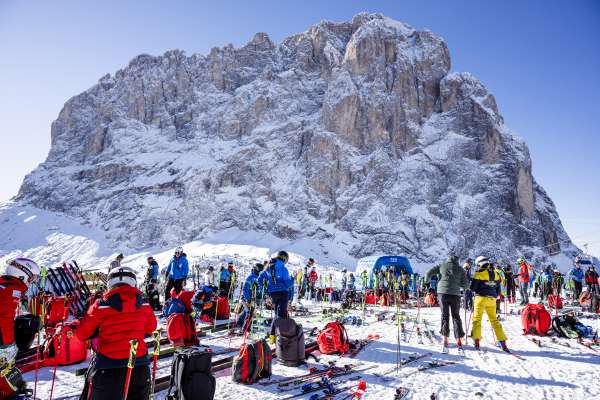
[384, 376]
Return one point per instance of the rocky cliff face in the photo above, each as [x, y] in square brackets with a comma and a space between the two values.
[353, 133]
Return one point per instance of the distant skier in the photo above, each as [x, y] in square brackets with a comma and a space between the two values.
[523, 277]
[511, 292]
[151, 284]
[177, 272]
[486, 286]
[591, 279]
[468, 294]
[546, 283]
[576, 276]
[344, 279]
[558, 281]
[118, 317]
[249, 295]
[452, 279]
[203, 302]
[209, 276]
[116, 263]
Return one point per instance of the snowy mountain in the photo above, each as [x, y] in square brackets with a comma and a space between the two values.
[352, 136]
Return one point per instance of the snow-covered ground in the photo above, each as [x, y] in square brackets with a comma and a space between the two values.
[549, 372]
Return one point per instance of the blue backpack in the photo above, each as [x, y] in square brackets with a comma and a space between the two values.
[173, 306]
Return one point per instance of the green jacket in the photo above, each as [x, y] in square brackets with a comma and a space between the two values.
[452, 277]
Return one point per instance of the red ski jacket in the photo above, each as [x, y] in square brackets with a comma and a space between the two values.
[118, 317]
[312, 276]
[11, 291]
[523, 273]
[591, 277]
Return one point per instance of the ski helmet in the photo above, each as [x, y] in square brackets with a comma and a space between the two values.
[120, 256]
[121, 275]
[179, 250]
[482, 261]
[283, 256]
[211, 268]
[22, 268]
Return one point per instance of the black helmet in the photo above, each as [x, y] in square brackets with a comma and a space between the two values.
[211, 268]
[257, 268]
[344, 270]
[283, 256]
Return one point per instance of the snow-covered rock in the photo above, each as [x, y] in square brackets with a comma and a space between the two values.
[355, 134]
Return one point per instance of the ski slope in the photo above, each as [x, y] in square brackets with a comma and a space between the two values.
[549, 372]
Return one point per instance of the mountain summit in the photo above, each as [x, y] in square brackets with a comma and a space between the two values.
[354, 135]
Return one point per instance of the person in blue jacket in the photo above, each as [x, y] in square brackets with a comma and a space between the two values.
[249, 296]
[546, 282]
[576, 277]
[203, 302]
[224, 280]
[177, 272]
[280, 287]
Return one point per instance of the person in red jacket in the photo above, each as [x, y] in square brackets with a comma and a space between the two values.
[591, 279]
[18, 274]
[118, 317]
[313, 277]
[523, 276]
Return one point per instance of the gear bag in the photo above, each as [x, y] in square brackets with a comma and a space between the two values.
[186, 297]
[333, 339]
[565, 326]
[253, 363]
[63, 347]
[535, 319]
[11, 382]
[223, 308]
[191, 377]
[26, 326]
[181, 330]
[55, 309]
[174, 306]
[290, 342]
[555, 301]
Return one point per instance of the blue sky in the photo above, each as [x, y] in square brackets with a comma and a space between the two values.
[541, 59]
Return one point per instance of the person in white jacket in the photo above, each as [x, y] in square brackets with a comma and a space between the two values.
[209, 276]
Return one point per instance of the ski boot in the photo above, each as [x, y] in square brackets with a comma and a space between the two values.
[459, 346]
[445, 345]
[477, 344]
[502, 345]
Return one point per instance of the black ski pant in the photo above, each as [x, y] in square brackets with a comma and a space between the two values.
[450, 305]
[577, 289]
[280, 306]
[173, 283]
[109, 384]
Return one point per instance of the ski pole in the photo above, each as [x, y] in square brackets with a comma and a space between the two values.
[67, 305]
[156, 339]
[130, 362]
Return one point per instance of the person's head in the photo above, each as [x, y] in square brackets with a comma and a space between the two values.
[556, 272]
[230, 267]
[120, 277]
[453, 259]
[283, 256]
[311, 261]
[179, 251]
[344, 270]
[150, 260]
[22, 268]
[222, 268]
[257, 268]
[482, 262]
[119, 257]
[351, 275]
[211, 268]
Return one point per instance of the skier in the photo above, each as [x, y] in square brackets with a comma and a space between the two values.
[523, 277]
[546, 282]
[19, 273]
[248, 297]
[280, 287]
[232, 279]
[203, 302]
[468, 301]
[576, 276]
[510, 284]
[403, 285]
[151, 284]
[591, 279]
[486, 286]
[312, 278]
[303, 282]
[344, 279]
[116, 263]
[118, 317]
[364, 279]
[224, 280]
[558, 281]
[177, 272]
[452, 279]
[209, 276]
[351, 282]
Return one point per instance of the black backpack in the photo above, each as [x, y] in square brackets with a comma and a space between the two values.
[26, 326]
[191, 377]
[290, 342]
[253, 363]
[564, 326]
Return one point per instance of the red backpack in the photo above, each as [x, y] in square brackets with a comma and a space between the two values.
[181, 330]
[253, 363]
[536, 319]
[555, 301]
[63, 347]
[55, 309]
[223, 308]
[186, 297]
[333, 339]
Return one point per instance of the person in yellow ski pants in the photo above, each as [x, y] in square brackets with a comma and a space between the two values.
[486, 286]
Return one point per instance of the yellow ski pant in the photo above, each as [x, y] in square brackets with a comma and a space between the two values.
[487, 304]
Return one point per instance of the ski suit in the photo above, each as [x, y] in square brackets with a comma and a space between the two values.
[486, 286]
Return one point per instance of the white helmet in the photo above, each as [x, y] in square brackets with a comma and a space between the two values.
[481, 261]
[23, 268]
[179, 250]
[121, 275]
